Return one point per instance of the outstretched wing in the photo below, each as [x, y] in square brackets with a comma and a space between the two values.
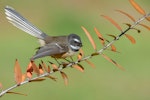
[50, 50]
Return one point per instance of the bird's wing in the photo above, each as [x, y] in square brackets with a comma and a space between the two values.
[49, 50]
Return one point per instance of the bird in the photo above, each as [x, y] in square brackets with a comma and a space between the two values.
[58, 47]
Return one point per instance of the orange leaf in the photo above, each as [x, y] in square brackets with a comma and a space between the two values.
[145, 26]
[29, 75]
[37, 80]
[130, 38]
[48, 69]
[41, 69]
[79, 57]
[54, 66]
[1, 86]
[78, 67]
[29, 68]
[35, 68]
[113, 48]
[53, 78]
[99, 36]
[113, 22]
[89, 37]
[112, 61]
[23, 77]
[90, 63]
[16, 93]
[18, 73]
[64, 76]
[44, 65]
[137, 7]
[148, 18]
[126, 15]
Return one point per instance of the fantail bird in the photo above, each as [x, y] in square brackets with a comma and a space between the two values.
[54, 46]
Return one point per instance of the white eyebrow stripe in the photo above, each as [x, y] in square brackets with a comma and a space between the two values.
[74, 47]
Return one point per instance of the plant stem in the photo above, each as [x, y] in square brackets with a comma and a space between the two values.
[76, 62]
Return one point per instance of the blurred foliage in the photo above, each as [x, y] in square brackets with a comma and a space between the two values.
[62, 17]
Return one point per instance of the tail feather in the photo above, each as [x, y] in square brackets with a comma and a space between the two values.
[20, 22]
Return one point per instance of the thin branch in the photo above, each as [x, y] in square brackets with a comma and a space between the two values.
[78, 61]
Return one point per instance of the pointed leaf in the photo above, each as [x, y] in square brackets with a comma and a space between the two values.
[35, 68]
[55, 67]
[29, 75]
[9, 92]
[29, 71]
[41, 69]
[78, 67]
[90, 63]
[145, 26]
[100, 36]
[112, 36]
[18, 73]
[37, 80]
[53, 78]
[137, 7]
[29, 68]
[48, 69]
[89, 37]
[129, 25]
[113, 22]
[44, 65]
[1, 86]
[112, 61]
[64, 76]
[79, 57]
[23, 77]
[129, 16]
[130, 38]
[113, 48]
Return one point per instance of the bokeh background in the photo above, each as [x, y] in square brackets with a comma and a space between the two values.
[61, 17]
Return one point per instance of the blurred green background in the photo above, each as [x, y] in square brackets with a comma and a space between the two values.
[61, 17]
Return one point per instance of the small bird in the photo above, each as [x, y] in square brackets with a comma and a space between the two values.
[54, 46]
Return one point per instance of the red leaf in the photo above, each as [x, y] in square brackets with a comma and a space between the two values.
[78, 67]
[89, 37]
[137, 7]
[112, 61]
[64, 76]
[126, 15]
[113, 22]
[100, 36]
[130, 38]
[90, 63]
[18, 73]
